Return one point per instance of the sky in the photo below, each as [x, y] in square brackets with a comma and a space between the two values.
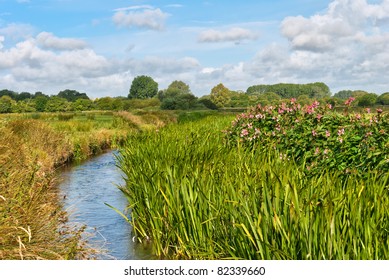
[99, 47]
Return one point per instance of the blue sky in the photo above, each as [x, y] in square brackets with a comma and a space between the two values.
[98, 47]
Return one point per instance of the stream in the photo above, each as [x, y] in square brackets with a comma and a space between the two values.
[86, 188]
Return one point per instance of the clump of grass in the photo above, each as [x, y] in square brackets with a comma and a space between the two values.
[146, 120]
[196, 197]
[31, 215]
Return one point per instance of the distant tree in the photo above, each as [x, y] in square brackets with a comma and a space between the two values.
[206, 101]
[183, 101]
[344, 94]
[72, 95]
[383, 99]
[24, 106]
[143, 87]
[220, 95]
[313, 90]
[6, 104]
[10, 93]
[177, 97]
[82, 105]
[359, 93]
[57, 104]
[39, 94]
[367, 100]
[269, 98]
[23, 96]
[40, 102]
[104, 103]
[180, 87]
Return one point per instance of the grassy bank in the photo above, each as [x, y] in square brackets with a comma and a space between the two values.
[194, 196]
[32, 146]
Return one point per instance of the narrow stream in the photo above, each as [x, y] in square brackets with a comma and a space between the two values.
[86, 188]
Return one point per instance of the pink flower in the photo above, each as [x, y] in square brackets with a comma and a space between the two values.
[293, 100]
[349, 101]
[314, 133]
[319, 117]
[341, 131]
[379, 111]
[328, 134]
[367, 110]
[329, 106]
[244, 133]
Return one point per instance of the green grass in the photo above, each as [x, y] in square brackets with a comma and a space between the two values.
[32, 146]
[196, 197]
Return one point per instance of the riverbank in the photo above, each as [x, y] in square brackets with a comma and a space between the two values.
[32, 221]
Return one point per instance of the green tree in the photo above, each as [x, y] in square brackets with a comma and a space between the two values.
[23, 96]
[178, 87]
[10, 93]
[72, 95]
[24, 106]
[82, 105]
[367, 100]
[6, 104]
[143, 87]
[344, 94]
[383, 99]
[57, 104]
[40, 102]
[220, 95]
[105, 103]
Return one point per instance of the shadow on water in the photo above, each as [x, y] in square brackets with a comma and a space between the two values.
[86, 188]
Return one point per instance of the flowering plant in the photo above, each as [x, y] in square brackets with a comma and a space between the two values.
[317, 136]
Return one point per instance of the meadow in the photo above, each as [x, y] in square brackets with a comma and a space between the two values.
[262, 185]
[32, 148]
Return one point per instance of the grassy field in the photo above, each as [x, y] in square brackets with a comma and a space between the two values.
[194, 193]
[32, 146]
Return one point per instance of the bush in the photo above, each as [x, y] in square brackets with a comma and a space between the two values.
[317, 137]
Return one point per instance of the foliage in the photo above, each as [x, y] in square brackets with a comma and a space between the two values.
[6, 104]
[57, 104]
[193, 196]
[206, 101]
[177, 97]
[383, 99]
[313, 90]
[367, 100]
[72, 95]
[143, 87]
[317, 137]
[220, 95]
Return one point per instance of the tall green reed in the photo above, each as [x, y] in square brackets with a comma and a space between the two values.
[195, 196]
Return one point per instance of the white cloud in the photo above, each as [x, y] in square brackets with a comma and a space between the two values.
[17, 31]
[48, 40]
[149, 18]
[234, 34]
[1, 41]
[342, 23]
[139, 7]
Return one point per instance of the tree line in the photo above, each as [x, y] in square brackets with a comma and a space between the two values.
[144, 93]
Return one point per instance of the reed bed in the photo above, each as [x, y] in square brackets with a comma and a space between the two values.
[194, 196]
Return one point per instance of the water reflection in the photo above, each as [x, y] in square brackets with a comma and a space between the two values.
[86, 188]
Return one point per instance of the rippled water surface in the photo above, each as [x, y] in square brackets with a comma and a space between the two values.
[86, 188]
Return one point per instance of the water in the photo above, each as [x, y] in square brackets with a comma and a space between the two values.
[86, 188]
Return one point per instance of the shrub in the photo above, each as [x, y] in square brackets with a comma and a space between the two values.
[317, 136]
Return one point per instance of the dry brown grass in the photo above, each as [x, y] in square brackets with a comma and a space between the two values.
[31, 220]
